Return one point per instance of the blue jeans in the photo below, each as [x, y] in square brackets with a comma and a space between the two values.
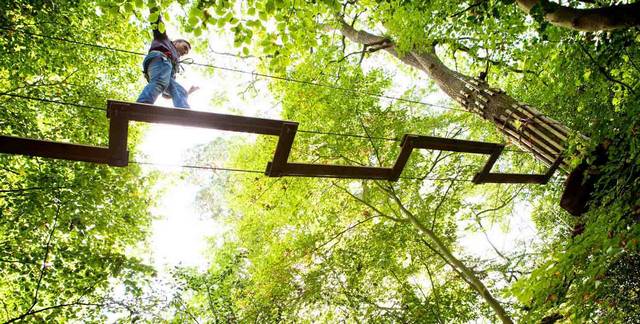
[159, 71]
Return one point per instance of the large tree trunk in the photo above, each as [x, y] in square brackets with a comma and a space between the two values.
[590, 20]
[522, 124]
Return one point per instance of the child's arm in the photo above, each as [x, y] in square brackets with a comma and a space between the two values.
[156, 31]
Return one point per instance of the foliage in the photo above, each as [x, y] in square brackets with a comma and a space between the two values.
[590, 276]
[66, 228]
[587, 81]
[307, 250]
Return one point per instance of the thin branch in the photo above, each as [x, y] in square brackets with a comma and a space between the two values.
[339, 234]
[31, 189]
[186, 309]
[435, 292]
[209, 299]
[468, 8]
[46, 256]
[453, 267]
[366, 49]
[32, 312]
[366, 131]
[631, 60]
[479, 221]
[14, 261]
[504, 203]
[399, 220]
[494, 62]
[440, 157]
[495, 249]
[475, 282]
[603, 70]
[267, 189]
[9, 170]
[444, 197]
[244, 57]
[39, 83]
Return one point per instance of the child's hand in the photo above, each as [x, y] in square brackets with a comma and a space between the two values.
[193, 89]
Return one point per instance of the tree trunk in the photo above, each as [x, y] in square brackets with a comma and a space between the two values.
[522, 124]
[590, 20]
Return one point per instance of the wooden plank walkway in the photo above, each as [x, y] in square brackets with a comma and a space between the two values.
[121, 113]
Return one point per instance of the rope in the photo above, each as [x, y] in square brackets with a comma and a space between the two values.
[316, 84]
[350, 135]
[73, 41]
[53, 101]
[243, 71]
[198, 167]
[211, 168]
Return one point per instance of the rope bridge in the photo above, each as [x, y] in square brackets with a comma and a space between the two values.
[121, 113]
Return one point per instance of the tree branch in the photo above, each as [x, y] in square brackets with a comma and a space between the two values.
[44, 260]
[589, 20]
[32, 312]
[380, 213]
[468, 8]
[339, 234]
[468, 273]
[434, 288]
[31, 189]
[603, 70]
[444, 197]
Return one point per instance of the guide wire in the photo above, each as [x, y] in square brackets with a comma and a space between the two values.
[287, 79]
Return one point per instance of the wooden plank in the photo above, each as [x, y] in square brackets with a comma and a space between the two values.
[54, 150]
[554, 127]
[454, 145]
[118, 134]
[511, 178]
[121, 112]
[336, 171]
[528, 144]
[480, 176]
[153, 114]
[517, 178]
[539, 137]
[403, 157]
[556, 164]
[524, 114]
[281, 155]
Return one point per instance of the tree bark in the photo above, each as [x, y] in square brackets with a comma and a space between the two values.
[589, 20]
[522, 124]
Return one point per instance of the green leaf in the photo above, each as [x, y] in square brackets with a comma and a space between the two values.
[192, 20]
[153, 17]
[269, 6]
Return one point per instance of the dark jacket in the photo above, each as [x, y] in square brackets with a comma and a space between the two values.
[162, 43]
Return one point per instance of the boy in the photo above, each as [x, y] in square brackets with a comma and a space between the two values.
[160, 67]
